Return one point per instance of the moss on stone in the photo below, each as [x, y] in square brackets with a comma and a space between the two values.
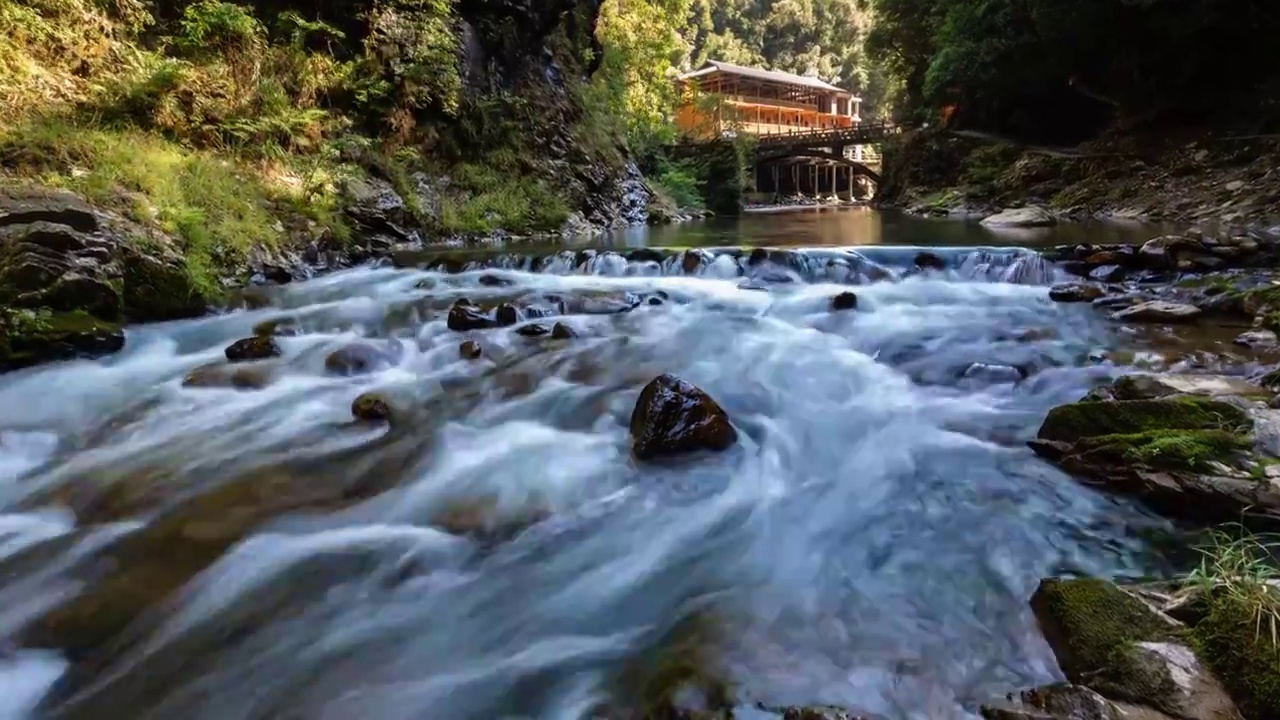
[28, 337]
[1168, 449]
[1093, 626]
[1092, 419]
[1242, 655]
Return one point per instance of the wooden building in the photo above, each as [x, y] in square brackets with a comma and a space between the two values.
[720, 98]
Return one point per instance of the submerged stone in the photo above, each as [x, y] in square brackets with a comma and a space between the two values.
[357, 358]
[465, 316]
[925, 260]
[560, 331]
[242, 376]
[533, 330]
[673, 417]
[371, 407]
[844, 301]
[470, 350]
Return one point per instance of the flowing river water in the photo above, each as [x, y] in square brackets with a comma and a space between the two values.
[870, 542]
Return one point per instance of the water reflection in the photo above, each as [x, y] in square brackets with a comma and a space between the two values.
[837, 227]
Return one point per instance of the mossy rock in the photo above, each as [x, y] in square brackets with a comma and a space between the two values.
[1071, 423]
[1093, 627]
[30, 337]
[1242, 654]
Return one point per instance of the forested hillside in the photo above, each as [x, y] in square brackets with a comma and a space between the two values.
[1064, 69]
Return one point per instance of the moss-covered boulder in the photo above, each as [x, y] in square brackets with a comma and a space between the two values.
[29, 337]
[1203, 456]
[1124, 648]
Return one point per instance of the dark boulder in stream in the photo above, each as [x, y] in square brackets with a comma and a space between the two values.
[673, 417]
[258, 347]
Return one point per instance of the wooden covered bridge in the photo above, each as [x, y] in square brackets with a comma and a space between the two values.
[810, 138]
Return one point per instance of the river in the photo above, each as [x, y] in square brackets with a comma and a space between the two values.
[870, 541]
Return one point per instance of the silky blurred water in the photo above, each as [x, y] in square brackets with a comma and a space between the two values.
[870, 542]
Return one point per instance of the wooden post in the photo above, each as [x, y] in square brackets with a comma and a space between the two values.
[795, 179]
[775, 179]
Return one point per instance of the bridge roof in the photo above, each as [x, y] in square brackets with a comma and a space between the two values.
[712, 66]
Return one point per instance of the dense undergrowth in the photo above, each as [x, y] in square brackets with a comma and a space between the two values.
[236, 127]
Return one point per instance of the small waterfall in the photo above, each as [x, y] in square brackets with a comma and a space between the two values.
[853, 266]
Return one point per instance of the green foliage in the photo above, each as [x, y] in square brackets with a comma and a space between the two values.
[642, 47]
[1239, 637]
[495, 195]
[678, 179]
[219, 210]
[1042, 67]
[212, 27]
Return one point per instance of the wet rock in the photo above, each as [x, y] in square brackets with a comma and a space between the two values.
[673, 417]
[1257, 340]
[470, 350]
[1075, 292]
[560, 331]
[926, 260]
[994, 373]
[1108, 273]
[371, 407]
[845, 301]
[465, 316]
[693, 260]
[533, 330]
[1184, 454]
[1163, 251]
[1158, 311]
[241, 376]
[506, 315]
[489, 280]
[358, 358]
[1021, 217]
[1065, 701]
[252, 348]
[1152, 387]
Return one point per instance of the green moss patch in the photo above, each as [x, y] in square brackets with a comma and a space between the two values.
[1167, 449]
[1093, 419]
[28, 337]
[1242, 654]
[1092, 626]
